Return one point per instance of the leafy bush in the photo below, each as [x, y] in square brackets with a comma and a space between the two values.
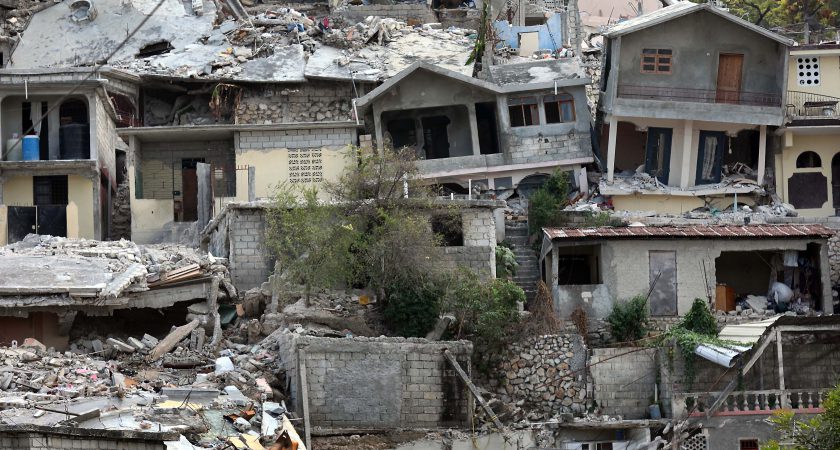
[629, 320]
[413, 306]
[506, 264]
[544, 203]
[485, 312]
[699, 319]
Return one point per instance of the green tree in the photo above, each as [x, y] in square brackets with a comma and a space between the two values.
[546, 201]
[821, 432]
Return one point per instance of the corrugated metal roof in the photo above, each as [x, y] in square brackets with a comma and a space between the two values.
[748, 333]
[690, 232]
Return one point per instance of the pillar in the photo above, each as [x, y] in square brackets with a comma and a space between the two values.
[685, 169]
[476, 148]
[611, 148]
[762, 153]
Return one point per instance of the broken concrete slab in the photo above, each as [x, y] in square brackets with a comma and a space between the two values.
[120, 345]
[171, 341]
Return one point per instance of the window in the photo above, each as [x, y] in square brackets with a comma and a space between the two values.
[50, 190]
[657, 60]
[559, 108]
[403, 133]
[449, 228]
[808, 160]
[578, 265]
[808, 71]
[523, 111]
[604, 446]
[749, 444]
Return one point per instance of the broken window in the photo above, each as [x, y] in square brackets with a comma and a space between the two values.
[559, 108]
[657, 61]
[658, 158]
[808, 160]
[578, 265]
[449, 228]
[523, 111]
[403, 133]
[157, 48]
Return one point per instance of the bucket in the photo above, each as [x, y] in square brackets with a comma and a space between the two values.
[31, 148]
[13, 150]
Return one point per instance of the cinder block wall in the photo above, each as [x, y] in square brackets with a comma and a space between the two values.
[533, 149]
[377, 382]
[403, 11]
[624, 385]
[294, 139]
[479, 250]
[250, 263]
[42, 441]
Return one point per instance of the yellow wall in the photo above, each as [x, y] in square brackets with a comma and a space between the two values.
[4, 225]
[829, 72]
[80, 192]
[18, 191]
[663, 204]
[272, 168]
[824, 145]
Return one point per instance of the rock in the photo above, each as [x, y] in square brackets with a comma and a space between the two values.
[120, 345]
[34, 343]
[136, 343]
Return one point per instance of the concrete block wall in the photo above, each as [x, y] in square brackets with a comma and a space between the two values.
[296, 138]
[480, 259]
[39, 441]
[401, 11]
[479, 227]
[250, 263]
[461, 18]
[313, 101]
[160, 164]
[534, 149]
[377, 382]
[624, 385]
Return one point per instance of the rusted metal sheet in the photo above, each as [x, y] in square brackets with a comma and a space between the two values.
[689, 232]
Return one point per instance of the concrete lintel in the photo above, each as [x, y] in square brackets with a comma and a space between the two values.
[167, 296]
[705, 112]
[84, 167]
[508, 168]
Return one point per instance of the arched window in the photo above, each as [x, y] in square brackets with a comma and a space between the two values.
[808, 160]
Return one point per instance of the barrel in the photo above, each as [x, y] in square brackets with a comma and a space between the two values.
[75, 141]
[31, 148]
[13, 150]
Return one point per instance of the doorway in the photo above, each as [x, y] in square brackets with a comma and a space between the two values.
[663, 282]
[488, 137]
[710, 156]
[658, 157]
[436, 137]
[835, 183]
[189, 190]
[730, 67]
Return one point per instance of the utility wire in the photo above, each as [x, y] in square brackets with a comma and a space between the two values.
[93, 71]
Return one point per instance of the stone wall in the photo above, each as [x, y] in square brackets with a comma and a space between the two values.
[624, 384]
[313, 101]
[380, 383]
[459, 17]
[419, 12]
[121, 213]
[546, 372]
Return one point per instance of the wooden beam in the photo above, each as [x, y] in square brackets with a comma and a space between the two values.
[746, 368]
[801, 328]
[781, 359]
[466, 379]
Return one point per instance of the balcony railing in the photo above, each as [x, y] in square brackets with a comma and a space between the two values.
[699, 95]
[809, 106]
[751, 402]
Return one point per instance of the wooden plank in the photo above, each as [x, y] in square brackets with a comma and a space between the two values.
[780, 358]
[171, 340]
[732, 384]
[304, 395]
[466, 379]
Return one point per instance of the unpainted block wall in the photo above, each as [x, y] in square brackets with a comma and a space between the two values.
[298, 138]
[624, 385]
[250, 263]
[160, 164]
[533, 149]
[377, 382]
[36, 441]
[481, 260]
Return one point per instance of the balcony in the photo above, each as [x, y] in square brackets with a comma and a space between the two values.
[744, 98]
[803, 401]
[809, 109]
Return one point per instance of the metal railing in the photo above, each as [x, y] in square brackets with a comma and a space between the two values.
[807, 105]
[751, 402]
[699, 95]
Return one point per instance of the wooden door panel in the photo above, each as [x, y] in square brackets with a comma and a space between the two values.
[189, 194]
[730, 67]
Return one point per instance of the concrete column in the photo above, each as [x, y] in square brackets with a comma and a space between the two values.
[476, 149]
[97, 218]
[611, 148]
[93, 121]
[685, 169]
[762, 153]
[252, 183]
[825, 280]
[377, 124]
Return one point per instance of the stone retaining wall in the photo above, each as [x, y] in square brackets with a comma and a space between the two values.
[313, 101]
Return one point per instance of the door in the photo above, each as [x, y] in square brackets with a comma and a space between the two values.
[658, 158]
[663, 282]
[52, 220]
[709, 156]
[189, 194]
[730, 66]
[21, 222]
[835, 183]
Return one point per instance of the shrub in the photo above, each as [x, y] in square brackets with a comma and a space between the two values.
[544, 203]
[699, 319]
[629, 320]
[413, 306]
[506, 264]
[485, 312]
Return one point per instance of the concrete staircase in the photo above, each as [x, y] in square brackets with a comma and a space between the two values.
[528, 273]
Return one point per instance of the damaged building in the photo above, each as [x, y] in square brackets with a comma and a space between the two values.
[689, 96]
[596, 267]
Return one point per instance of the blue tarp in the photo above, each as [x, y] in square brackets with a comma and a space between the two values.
[550, 34]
